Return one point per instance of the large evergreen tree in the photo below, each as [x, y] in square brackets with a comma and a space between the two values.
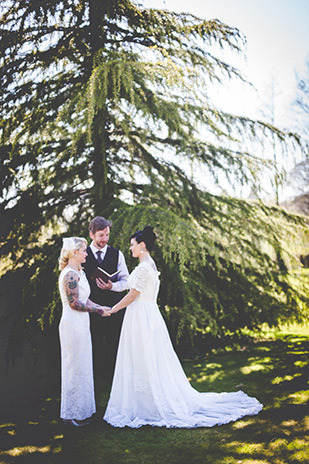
[105, 108]
[299, 176]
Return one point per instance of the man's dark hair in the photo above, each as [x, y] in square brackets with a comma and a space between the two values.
[99, 223]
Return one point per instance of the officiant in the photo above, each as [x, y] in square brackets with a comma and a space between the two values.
[105, 336]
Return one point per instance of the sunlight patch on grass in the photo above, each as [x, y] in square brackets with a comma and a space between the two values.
[278, 380]
[299, 397]
[298, 443]
[268, 333]
[241, 424]
[278, 444]
[20, 450]
[8, 424]
[230, 460]
[289, 423]
[208, 378]
[263, 348]
[58, 449]
[257, 461]
[300, 363]
[301, 455]
[207, 366]
[296, 352]
[214, 366]
[247, 448]
[298, 447]
[290, 427]
[286, 378]
[253, 368]
[265, 360]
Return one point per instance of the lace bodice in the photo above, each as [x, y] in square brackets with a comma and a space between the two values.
[83, 286]
[145, 279]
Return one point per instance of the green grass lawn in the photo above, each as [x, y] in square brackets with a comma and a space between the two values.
[273, 368]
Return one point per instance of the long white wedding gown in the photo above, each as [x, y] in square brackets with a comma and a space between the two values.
[77, 389]
[149, 385]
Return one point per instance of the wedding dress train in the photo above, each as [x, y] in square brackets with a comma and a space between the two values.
[149, 385]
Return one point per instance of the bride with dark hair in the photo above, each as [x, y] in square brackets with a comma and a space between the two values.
[149, 385]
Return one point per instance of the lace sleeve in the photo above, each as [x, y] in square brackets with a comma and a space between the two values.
[140, 278]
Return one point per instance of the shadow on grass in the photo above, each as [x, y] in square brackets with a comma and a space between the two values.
[275, 371]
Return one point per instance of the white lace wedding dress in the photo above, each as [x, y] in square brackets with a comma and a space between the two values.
[149, 385]
[77, 389]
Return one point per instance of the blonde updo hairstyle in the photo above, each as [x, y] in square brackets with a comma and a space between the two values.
[69, 248]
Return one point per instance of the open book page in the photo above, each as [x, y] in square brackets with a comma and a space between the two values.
[100, 273]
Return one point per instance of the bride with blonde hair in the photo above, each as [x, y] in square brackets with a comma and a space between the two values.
[77, 390]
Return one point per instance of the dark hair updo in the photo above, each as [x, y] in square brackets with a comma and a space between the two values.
[147, 236]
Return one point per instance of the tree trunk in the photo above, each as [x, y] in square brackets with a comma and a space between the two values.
[102, 191]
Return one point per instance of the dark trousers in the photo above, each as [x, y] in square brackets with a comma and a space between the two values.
[105, 333]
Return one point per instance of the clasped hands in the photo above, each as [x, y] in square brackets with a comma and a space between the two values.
[105, 311]
[108, 310]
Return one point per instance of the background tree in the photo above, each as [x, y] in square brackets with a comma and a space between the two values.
[299, 175]
[302, 99]
[271, 102]
[104, 106]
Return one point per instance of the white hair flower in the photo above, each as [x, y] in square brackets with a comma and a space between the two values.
[69, 244]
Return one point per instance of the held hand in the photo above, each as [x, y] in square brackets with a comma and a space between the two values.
[104, 285]
[109, 310]
[103, 311]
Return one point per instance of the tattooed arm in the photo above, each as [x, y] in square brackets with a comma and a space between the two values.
[71, 287]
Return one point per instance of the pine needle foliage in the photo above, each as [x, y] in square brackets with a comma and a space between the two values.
[105, 105]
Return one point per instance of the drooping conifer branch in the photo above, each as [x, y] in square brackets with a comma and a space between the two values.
[105, 109]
